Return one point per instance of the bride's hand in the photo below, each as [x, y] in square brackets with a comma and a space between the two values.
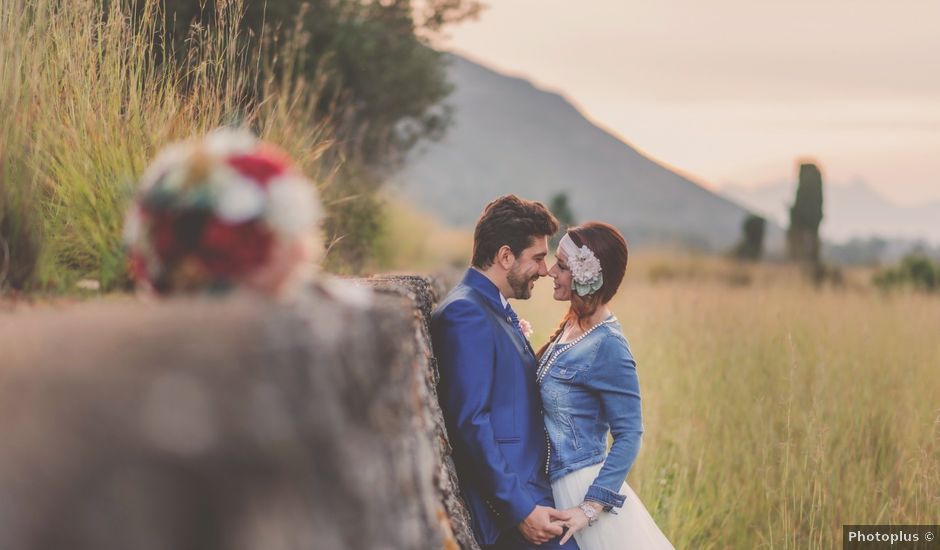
[577, 522]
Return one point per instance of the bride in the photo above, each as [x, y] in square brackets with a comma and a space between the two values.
[588, 380]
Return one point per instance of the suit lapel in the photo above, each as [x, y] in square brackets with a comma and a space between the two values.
[490, 295]
[516, 335]
[528, 345]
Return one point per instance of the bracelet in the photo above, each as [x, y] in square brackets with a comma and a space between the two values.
[590, 512]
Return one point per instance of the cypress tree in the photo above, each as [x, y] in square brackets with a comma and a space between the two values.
[751, 246]
[805, 216]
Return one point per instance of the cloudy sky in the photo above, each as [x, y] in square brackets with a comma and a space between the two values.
[735, 91]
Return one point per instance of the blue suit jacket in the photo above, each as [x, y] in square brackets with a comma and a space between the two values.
[492, 407]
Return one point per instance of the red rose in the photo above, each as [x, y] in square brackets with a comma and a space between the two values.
[260, 166]
[138, 267]
[163, 235]
[226, 250]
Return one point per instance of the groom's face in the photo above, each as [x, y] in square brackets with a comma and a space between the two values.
[528, 267]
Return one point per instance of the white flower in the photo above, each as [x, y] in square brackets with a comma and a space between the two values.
[167, 165]
[586, 276]
[224, 142]
[133, 226]
[526, 328]
[292, 205]
[237, 198]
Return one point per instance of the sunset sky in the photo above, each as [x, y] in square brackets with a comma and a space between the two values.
[734, 91]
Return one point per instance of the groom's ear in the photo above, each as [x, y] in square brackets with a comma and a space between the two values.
[504, 257]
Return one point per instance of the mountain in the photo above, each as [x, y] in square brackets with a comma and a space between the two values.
[510, 137]
[851, 210]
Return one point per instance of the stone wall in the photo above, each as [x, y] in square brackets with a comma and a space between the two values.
[423, 294]
[227, 424]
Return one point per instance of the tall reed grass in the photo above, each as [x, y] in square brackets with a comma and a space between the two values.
[89, 91]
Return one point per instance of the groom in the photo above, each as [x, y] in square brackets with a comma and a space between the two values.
[488, 391]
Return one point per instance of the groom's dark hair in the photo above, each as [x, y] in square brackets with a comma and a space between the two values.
[512, 222]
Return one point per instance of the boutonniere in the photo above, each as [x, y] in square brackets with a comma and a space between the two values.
[525, 327]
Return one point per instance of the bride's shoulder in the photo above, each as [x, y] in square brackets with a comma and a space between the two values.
[614, 342]
[613, 330]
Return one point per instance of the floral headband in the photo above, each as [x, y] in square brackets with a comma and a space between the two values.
[587, 277]
[212, 209]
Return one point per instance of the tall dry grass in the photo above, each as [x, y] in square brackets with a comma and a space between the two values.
[416, 242]
[86, 104]
[774, 412]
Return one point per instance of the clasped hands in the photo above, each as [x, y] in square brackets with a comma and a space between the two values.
[545, 523]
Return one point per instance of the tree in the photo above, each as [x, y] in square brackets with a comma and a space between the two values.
[805, 216]
[560, 207]
[380, 81]
[751, 246]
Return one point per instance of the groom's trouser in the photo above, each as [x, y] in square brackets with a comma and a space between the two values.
[512, 539]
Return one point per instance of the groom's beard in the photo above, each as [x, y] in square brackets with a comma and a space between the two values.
[519, 284]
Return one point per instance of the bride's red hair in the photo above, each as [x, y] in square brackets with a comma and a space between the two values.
[606, 242]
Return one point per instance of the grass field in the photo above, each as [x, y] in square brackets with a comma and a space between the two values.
[774, 412]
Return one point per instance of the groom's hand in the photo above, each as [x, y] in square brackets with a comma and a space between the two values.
[539, 528]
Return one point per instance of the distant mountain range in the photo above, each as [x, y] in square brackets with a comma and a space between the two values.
[851, 210]
[510, 137]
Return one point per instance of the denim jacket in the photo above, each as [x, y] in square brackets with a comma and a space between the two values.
[589, 390]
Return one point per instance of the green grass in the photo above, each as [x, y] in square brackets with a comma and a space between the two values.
[85, 107]
[775, 413]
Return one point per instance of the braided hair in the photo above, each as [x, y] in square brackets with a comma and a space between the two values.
[554, 336]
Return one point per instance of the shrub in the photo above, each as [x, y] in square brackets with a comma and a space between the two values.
[751, 246]
[916, 271]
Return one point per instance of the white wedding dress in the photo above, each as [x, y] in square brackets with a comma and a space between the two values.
[631, 528]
